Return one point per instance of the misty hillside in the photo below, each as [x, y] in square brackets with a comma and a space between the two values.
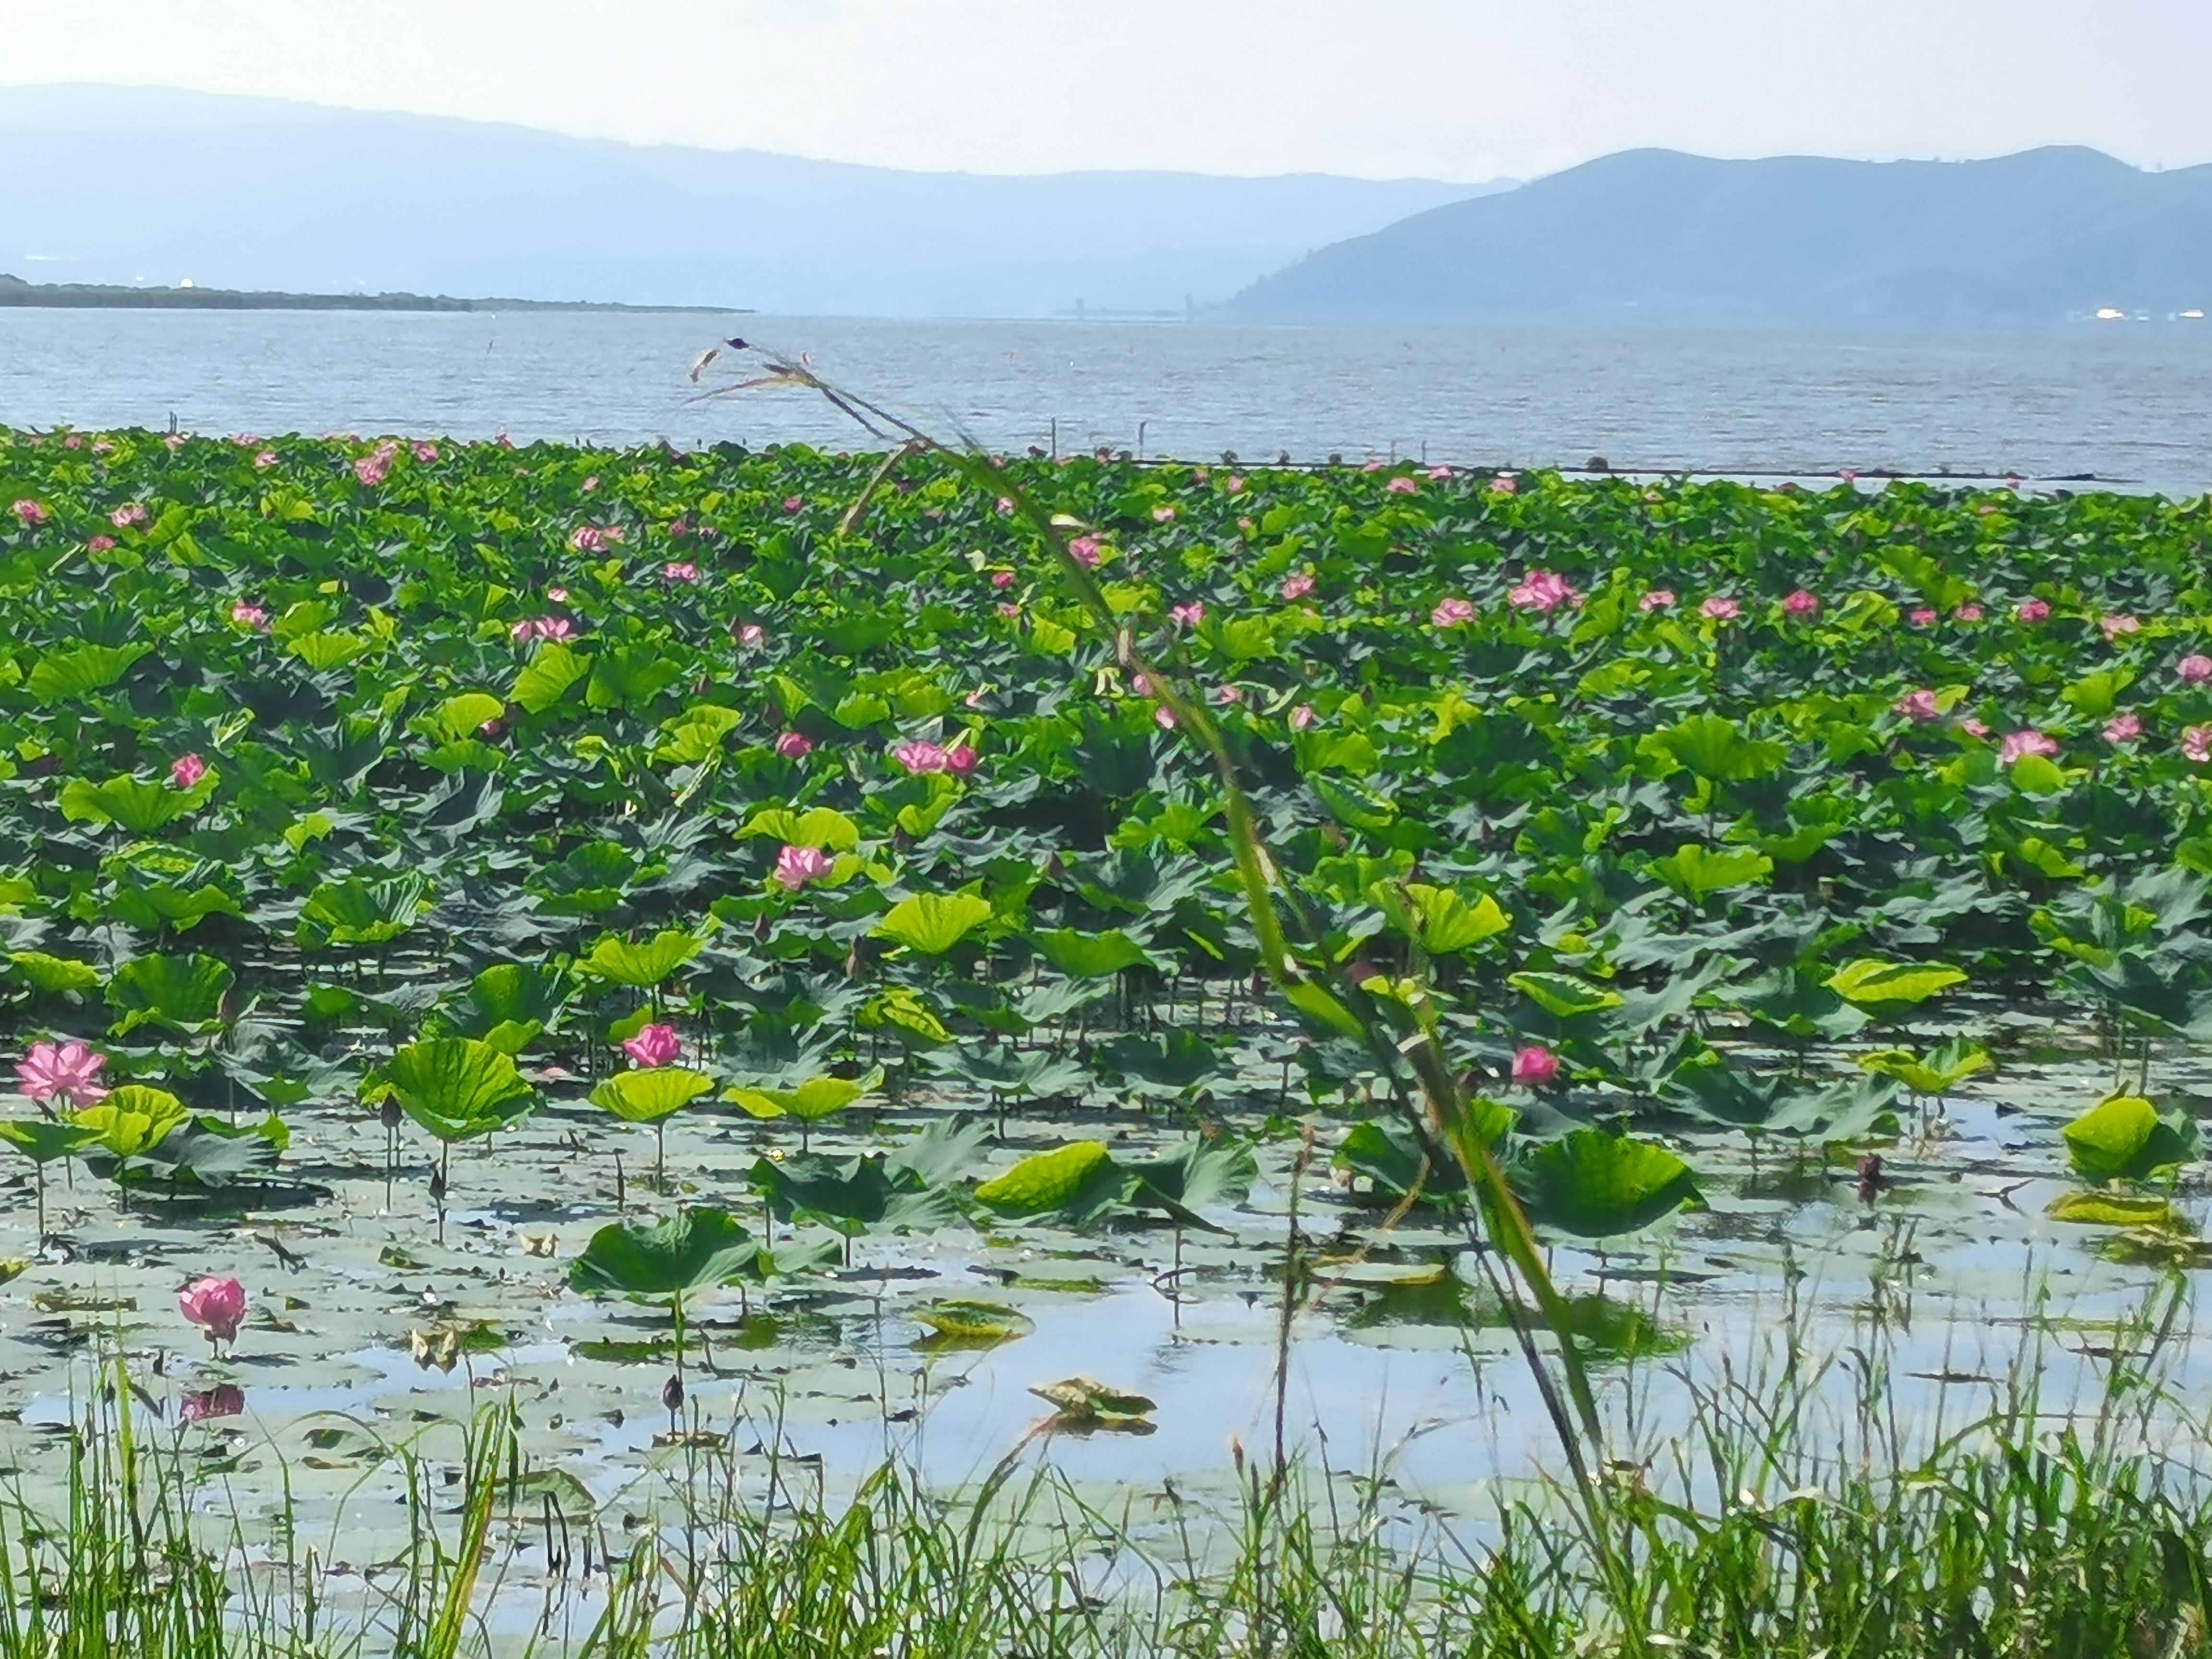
[121, 185]
[1657, 237]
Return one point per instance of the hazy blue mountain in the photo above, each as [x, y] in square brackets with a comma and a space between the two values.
[110, 184]
[1657, 237]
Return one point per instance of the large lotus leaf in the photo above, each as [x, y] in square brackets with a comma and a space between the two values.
[641, 966]
[1388, 1152]
[816, 1098]
[133, 804]
[1701, 872]
[1876, 984]
[206, 1154]
[65, 676]
[1038, 1072]
[648, 1095]
[1445, 922]
[1204, 1175]
[692, 1250]
[515, 992]
[1594, 1185]
[357, 911]
[182, 993]
[822, 827]
[1935, 1075]
[631, 676]
[957, 1324]
[133, 1119]
[851, 1196]
[2125, 1139]
[1716, 749]
[1563, 996]
[1090, 956]
[53, 974]
[43, 1139]
[943, 1153]
[1080, 1179]
[932, 923]
[456, 1087]
[696, 736]
[543, 681]
[461, 716]
[324, 653]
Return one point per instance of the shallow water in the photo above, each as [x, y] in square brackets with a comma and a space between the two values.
[2131, 408]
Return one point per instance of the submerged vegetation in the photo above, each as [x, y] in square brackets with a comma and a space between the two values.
[1379, 896]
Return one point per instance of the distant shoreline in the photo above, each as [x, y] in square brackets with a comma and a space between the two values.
[117, 296]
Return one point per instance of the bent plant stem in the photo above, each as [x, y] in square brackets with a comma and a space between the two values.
[1503, 1222]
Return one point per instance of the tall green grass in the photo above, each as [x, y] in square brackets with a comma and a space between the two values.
[1794, 1510]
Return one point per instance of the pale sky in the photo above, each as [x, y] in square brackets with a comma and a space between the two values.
[1462, 89]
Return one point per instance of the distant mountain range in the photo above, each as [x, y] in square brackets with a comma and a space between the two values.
[2031, 241]
[109, 185]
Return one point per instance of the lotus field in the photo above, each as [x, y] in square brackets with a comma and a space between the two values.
[757, 950]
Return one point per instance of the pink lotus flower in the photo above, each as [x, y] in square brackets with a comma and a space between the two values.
[173, 442]
[2197, 743]
[68, 1072]
[1228, 694]
[217, 1306]
[1918, 706]
[1163, 717]
[1535, 1067]
[1968, 613]
[656, 1045]
[1439, 474]
[1008, 608]
[588, 538]
[677, 570]
[247, 613]
[100, 543]
[103, 447]
[794, 745]
[557, 595]
[1189, 616]
[186, 770]
[1374, 466]
[1301, 717]
[264, 459]
[1298, 586]
[1451, 612]
[1164, 514]
[1233, 483]
[1141, 685]
[792, 503]
[1002, 580]
[2017, 745]
[1246, 525]
[1974, 727]
[31, 513]
[1721, 608]
[1659, 598]
[129, 514]
[544, 628]
[1802, 603]
[796, 865]
[1920, 617]
[2124, 728]
[2033, 610]
[1504, 484]
[1400, 485]
[1005, 506]
[751, 636]
[2115, 627]
[372, 469]
[1542, 590]
[426, 452]
[962, 760]
[2194, 668]
[921, 757]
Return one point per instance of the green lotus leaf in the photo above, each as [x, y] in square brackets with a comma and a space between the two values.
[640, 965]
[185, 994]
[455, 1087]
[1873, 984]
[810, 1102]
[2125, 1137]
[646, 1095]
[1563, 996]
[693, 1250]
[1597, 1185]
[932, 923]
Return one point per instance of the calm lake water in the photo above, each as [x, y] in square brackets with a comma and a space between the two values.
[2130, 405]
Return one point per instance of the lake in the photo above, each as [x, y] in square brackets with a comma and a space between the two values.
[2131, 408]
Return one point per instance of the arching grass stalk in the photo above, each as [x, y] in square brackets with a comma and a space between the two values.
[1304, 978]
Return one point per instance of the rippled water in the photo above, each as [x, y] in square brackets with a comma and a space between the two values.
[2133, 408]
